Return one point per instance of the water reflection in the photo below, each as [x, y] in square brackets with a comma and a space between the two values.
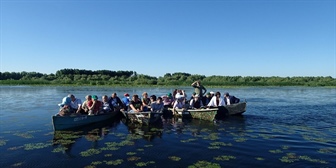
[63, 141]
[148, 132]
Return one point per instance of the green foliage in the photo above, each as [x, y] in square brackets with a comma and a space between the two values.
[131, 78]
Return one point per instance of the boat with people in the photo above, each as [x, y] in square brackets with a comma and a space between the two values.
[211, 114]
[74, 120]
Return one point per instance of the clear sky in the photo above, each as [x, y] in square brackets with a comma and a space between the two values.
[228, 38]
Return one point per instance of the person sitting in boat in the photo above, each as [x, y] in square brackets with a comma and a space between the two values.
[168, 100]
[157, 104]
[75, 105]
[95, 105]
[216, 101]
[85, 106]
[145, 101]
[228, 99]
[196, 102]
[207, 98]
[65, 106]
[179, 104]
[115, 102]
[106, 107]
[136, 104]
[126, 101]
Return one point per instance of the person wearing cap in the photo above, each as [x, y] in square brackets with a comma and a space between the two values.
[196, 103]
[126, 101]
[199, 89]
[228, 99]
[65, 106]
[95, 106]
[216, 101]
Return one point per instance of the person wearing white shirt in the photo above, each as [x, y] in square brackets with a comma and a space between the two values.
[76, 104]
[216, 100]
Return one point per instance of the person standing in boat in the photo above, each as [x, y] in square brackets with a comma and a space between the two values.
[115, 102]
[196, 103]
[75, 105]
[199, 89]
[136, 104]
[228, 99]
[216, 100]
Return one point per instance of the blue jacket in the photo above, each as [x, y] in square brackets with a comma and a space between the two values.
[233, 100]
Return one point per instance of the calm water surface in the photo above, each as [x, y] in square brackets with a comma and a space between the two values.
[282, 127]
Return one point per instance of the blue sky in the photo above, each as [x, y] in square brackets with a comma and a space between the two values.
[227, 38]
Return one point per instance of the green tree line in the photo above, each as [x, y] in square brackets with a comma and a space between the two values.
[131, 78]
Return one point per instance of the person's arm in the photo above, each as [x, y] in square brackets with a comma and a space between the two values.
[132, 107]
[204, 91]
[194, 83]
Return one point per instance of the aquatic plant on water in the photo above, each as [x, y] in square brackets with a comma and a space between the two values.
[90, 152]
[33, 146]
[174, 158]
[202, 163]
[224, 158]
[114, 162]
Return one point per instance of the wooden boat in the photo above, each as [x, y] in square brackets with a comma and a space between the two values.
[73, 121]
[144, 118]
[211, 114]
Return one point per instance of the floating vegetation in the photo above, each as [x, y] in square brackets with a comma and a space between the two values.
[114, 162]
[174, 158]
[133, 158]
[142, 164]
[224, 158]
[276, 151]
[307, 158]
[3, 142]
[203, 163]
[221, 129]
[285, 147]
[289, 158]
[15, 148]
[90, 152]
[214, 147]
[17, 164]
[259, 158]
[108, 155]
[131, 153]
[96, 163]
[188, 140]
[59, 149]
[147, 146]
[24, 135]
[140, 150]
[32, 146]
[327, 150]
[240, 139]
[212, 136]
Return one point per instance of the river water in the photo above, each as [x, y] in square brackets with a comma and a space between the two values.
[282, 127]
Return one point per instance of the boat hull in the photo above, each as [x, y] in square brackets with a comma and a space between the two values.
[144, 118]
[67, 122]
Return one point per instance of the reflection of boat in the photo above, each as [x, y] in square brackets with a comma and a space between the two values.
[64, 140]
[148, 132]
[214, 113]
[72, 121]
[145, 118]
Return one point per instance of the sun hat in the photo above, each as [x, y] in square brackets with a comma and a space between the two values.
[212, 92]
[65, 101]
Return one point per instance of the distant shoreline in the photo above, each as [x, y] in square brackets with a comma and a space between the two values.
[76, 77]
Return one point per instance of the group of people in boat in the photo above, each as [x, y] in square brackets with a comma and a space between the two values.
[200, 98]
